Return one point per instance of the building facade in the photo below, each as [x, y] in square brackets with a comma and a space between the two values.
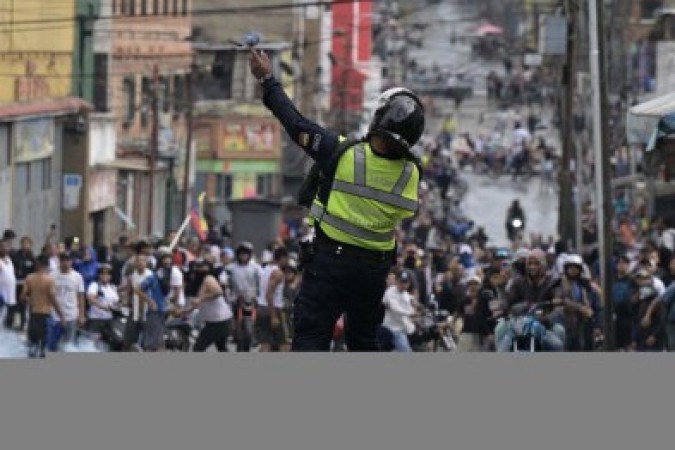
[43, 127]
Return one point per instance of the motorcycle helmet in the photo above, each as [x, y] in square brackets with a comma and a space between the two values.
[574, 260]
[399, 119]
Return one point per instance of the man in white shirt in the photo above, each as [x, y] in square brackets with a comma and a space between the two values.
[7, 277]
[140, 302]
[69, 287]
[102, 297]
[398, 312]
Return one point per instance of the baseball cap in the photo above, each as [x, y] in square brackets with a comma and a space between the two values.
[403, 277]
[227, 251]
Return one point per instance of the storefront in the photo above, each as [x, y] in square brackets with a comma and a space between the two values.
[238, 158]
[33, 152]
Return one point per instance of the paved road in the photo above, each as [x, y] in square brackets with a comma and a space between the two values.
[488, 199]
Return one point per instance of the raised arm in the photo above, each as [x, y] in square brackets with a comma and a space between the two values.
[317, 142]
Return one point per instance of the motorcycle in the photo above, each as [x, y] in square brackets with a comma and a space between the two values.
[527, 328]
[515, 227]
[178, 333]
[433, 332]
[112, 339]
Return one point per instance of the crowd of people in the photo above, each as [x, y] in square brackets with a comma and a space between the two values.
[68, 291]
[242, 297]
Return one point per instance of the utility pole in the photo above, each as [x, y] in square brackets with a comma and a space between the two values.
[602, 162]
[566, 208]
[154, 146]
[189, 91]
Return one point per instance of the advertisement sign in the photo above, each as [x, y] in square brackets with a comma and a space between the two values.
[72, 185]
[102, 189]
[33, 139]
[250, 136]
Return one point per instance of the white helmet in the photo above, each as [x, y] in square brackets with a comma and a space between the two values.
[574, 260]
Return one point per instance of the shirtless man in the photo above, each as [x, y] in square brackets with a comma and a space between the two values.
[40, 295]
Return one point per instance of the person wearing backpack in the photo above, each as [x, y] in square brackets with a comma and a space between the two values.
[357, 194]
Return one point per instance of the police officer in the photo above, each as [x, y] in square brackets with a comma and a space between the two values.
[366, 188]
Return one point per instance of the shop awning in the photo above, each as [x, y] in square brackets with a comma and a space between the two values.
[42, 108]
[650, 120]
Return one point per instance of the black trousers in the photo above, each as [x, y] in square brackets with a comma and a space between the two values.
[13, 310]
[333, 285]
[213, 333]
[37, 331]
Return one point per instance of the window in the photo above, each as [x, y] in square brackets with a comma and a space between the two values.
[179, 97]
[649, 7]
[166, 7]
[46, 175]
[265, 185]
[201, 181]
[114, 7]
[175, 7]
[35, 175]
[22, 177]
[144, 7]
[129, 99]
[167, 100]
[155, 7]
[224, 186]
[222, 73]
[185, 7]
[132, 7]
[101, 82]
[5, 154]
[146, 100]
[124, 4]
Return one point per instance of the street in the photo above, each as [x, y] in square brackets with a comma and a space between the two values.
[487, 199]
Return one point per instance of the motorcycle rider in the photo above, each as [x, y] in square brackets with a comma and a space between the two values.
[580, 311]
[536, 287]
[515, 220]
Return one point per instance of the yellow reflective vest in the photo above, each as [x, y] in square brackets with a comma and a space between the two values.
[369, 196]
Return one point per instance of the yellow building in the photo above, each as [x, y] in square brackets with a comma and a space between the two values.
[37, 40]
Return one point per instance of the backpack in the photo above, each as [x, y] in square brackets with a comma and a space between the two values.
[318, 182]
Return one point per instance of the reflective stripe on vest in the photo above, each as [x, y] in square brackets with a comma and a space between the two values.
[375, 194]
[322, 215]
[360, 189]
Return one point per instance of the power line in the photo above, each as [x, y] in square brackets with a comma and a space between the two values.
[224, 10]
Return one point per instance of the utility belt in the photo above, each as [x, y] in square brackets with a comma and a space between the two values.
[326, 245]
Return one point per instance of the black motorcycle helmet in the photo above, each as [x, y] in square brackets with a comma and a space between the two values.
[399, 119]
